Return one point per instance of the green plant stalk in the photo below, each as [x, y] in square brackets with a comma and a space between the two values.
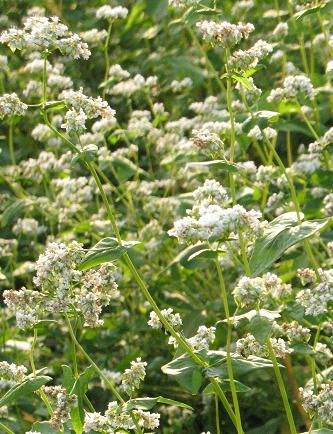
[229, 360]
[5, 429]
[106, 55]
[11, 143]
[300, 37]
[282, 388]
[217, 415]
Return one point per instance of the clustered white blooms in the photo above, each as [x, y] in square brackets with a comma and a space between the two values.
[84, 107]
[43, 33]
[267, 133]
[224, 33]
[209, 218]
[28, 226]
[181, 85]
[64, 403]
[132, 377]
[132, 85]
[243, 60]
[117, 73]
[203, 337]
[207, 142]
[11, 105]
[249, 346]
[293, 86]
[111, 13]
[316, 300]
[12, 372]
[94, 36]
[62, 287]
[255, 291]
[174, 319]
[320, 404]
[118, 417]
[293, 331]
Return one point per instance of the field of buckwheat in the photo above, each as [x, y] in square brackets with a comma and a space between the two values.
[166, 202]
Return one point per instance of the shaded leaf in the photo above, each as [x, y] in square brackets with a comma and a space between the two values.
[27, 386]
[219, 164]
[149, 403]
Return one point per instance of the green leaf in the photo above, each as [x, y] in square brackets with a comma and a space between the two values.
[125, 168]
[27, 386]
[308, 11]
[183, 258]
[240, 365]
[13, 210]
[149, 403]
[106, 250]
[243, 80]
[43, 428]
[205, 254]
[260, 327]
[280, 234]
[186, 372]
[225, 386]
[219, 164]
[267, 114]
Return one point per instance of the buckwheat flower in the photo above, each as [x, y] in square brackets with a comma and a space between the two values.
[173, 318]
[36, 66]
[113, 376]
[241, 7]
[224, 33]
[117, 73]
[133, 376]
[33, 89]
[11, 105]
[128, 87]
[251, 94]
[111, 13]
[33, 432]
[328, 204]
[280, 347]
[95, 422]
[315, 301]
[211, 191]
[64, 403]
[36, 11]
[14, 38]
[249, 346]
[266, 174]
[94, 36]
[182, 85]
[243, 60]
[202, 339]
[12, 372]
[294, 86]
[73, 46]
[148, 420]
[92, 107]
[323, 354]
[280, 31]
[319, 405]
[26, 304]
[27, 226]
[97, 288]
[206, 141]
[249, 291]
[295, 331]
[306, 275]
[75, 121]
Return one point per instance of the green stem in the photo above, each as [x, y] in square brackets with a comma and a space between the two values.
[229, 360]
[5, 429]
[11, 143]
[282, 388]
[106, 56]
[217, 415]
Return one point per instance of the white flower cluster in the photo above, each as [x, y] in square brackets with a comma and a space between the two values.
[252, 292]
[128, 87]
[111, 13]
[322, 142]
[117, 73]
[243, 60]
[64, 287]
[11, 105]
[12, 372]
[319, 405]
[28, 226]
[64, 403]
[203, 337]
[280, 31]
[182, 3]
[84, 107]
[207, 142]
[173, 318]
[98, 288]
[267, 133]
[249, 346]
[294, 331]
[43, 33]
[94, 36]
[294, 86]
[132, 377]
[224, 33]
[208, 219]
[181, 85]
[118, 417]
[315, 300]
